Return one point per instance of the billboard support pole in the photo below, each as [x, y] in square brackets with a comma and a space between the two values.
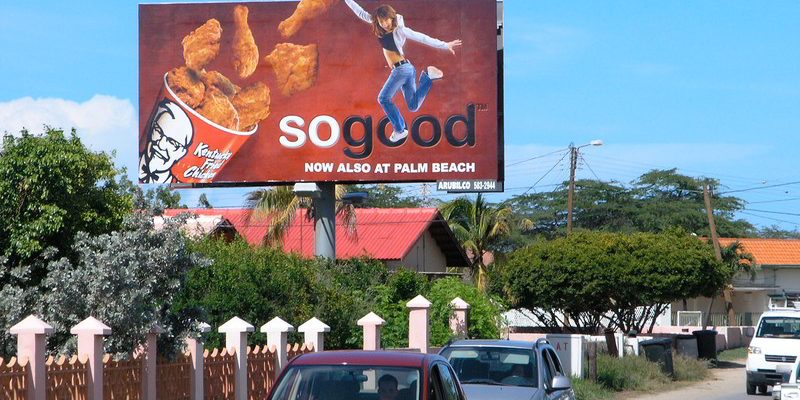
[325, 221]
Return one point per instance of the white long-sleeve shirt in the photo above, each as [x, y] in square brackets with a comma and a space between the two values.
[401, 33]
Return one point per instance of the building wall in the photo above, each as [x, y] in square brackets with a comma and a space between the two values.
[424, 256]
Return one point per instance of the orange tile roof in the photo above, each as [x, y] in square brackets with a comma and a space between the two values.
[769, 251]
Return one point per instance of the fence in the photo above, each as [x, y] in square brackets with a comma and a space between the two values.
[226, 373]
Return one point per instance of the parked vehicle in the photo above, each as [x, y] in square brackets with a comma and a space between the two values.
[367, 375]
[774, 349]
[789, 388]
[508, 370]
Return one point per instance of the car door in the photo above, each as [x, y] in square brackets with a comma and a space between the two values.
[449, 383]
[553, 364]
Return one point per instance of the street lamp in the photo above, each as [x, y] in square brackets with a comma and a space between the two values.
[573, 163]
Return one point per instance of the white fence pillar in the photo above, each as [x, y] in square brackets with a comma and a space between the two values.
[235, 331]
[314, 332]
[372, 330]
[149, 365]
[459, 320]
[418, 327]
[195, 346]
[90, 334]
[277, 331]
[31, 344]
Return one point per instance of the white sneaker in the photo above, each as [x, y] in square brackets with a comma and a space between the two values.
[398, 136]
[435, 73]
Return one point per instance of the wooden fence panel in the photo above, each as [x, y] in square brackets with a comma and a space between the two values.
[298, 349]
[174, 378]
[218, 375]
[13, 379]
[67, 380]
[261, 363]
[122, 379]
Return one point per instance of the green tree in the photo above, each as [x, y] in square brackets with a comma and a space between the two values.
[51, 188]
[622, 280]
[128, 279]
[386, 196]
[477, 225]
[279, 205]
[738, 261]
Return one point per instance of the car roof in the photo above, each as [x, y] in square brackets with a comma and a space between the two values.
[517, 344]
[783, 312]
[362, 357]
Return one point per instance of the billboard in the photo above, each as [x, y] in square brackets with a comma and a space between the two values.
[318, 90]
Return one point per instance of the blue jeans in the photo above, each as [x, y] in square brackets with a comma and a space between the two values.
[403, 77]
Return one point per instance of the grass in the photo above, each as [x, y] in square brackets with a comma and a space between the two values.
[733, 354]
[689, 369]
[588, 390]
[633, 373]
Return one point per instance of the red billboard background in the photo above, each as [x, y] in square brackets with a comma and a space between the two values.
[351, 72]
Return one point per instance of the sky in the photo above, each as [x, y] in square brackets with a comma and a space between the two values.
[711, 88]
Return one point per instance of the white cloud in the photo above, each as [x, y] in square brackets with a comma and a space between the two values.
[104, 123]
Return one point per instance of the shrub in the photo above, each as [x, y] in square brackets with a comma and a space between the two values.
[629, 373]
[588, 390]
[689, 369]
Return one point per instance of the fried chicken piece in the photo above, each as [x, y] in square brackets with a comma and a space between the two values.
[253, 105]
[219, 109]
[305, 11]
[295, 66]
[219, 81]
[245, 51]
[202, 45]
[186, 85]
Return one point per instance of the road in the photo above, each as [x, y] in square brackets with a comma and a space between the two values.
[726, 383]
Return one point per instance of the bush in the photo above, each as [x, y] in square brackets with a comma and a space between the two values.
[483, 316]
[588, 390]
[629, 373]
[689, 369]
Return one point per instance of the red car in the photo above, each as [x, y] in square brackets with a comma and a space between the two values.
[367, 375]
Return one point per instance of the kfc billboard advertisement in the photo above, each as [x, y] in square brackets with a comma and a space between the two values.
[318, 90]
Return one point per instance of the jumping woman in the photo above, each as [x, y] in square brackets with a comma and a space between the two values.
[392, 33]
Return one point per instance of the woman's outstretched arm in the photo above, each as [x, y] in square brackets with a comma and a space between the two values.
[429, 41]
[360, 13]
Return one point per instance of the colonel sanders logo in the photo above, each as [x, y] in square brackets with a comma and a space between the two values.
[169, 135]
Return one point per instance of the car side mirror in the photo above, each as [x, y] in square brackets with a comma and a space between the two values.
[561, 383]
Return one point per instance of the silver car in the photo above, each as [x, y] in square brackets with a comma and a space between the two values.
[509, 370]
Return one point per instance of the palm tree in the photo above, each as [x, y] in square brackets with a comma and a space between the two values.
[280, 204]
[738, 261]
[477, 225]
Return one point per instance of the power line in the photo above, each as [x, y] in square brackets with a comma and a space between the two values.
[534, 158]
[546, 173]
[761, 187]
[587, 166]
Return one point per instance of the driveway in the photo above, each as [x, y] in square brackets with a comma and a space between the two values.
[725, 383]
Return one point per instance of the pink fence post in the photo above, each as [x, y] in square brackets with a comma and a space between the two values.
[195, 346]
[149, 364]
[418, 327]
[31, 344]
[90, 334]
[458, 321]
[277, 331]
[313, 332]
[235, 331]
[372, 330]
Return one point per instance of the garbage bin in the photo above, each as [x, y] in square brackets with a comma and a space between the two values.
[660, 351]
[686, 345]
[706, 344]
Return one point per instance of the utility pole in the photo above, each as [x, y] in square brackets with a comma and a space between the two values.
[573, 164]
[714, 240]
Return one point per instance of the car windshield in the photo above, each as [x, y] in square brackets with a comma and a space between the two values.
[779, 327]
[348, 382]
[493, 365]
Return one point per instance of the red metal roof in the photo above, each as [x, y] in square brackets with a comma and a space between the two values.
[381, 233]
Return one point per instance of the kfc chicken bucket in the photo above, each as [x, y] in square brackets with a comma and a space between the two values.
[181, 145]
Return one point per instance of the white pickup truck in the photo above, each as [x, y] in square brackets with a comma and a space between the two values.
[774, 349]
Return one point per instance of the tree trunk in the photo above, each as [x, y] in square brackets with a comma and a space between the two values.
[727, 294]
